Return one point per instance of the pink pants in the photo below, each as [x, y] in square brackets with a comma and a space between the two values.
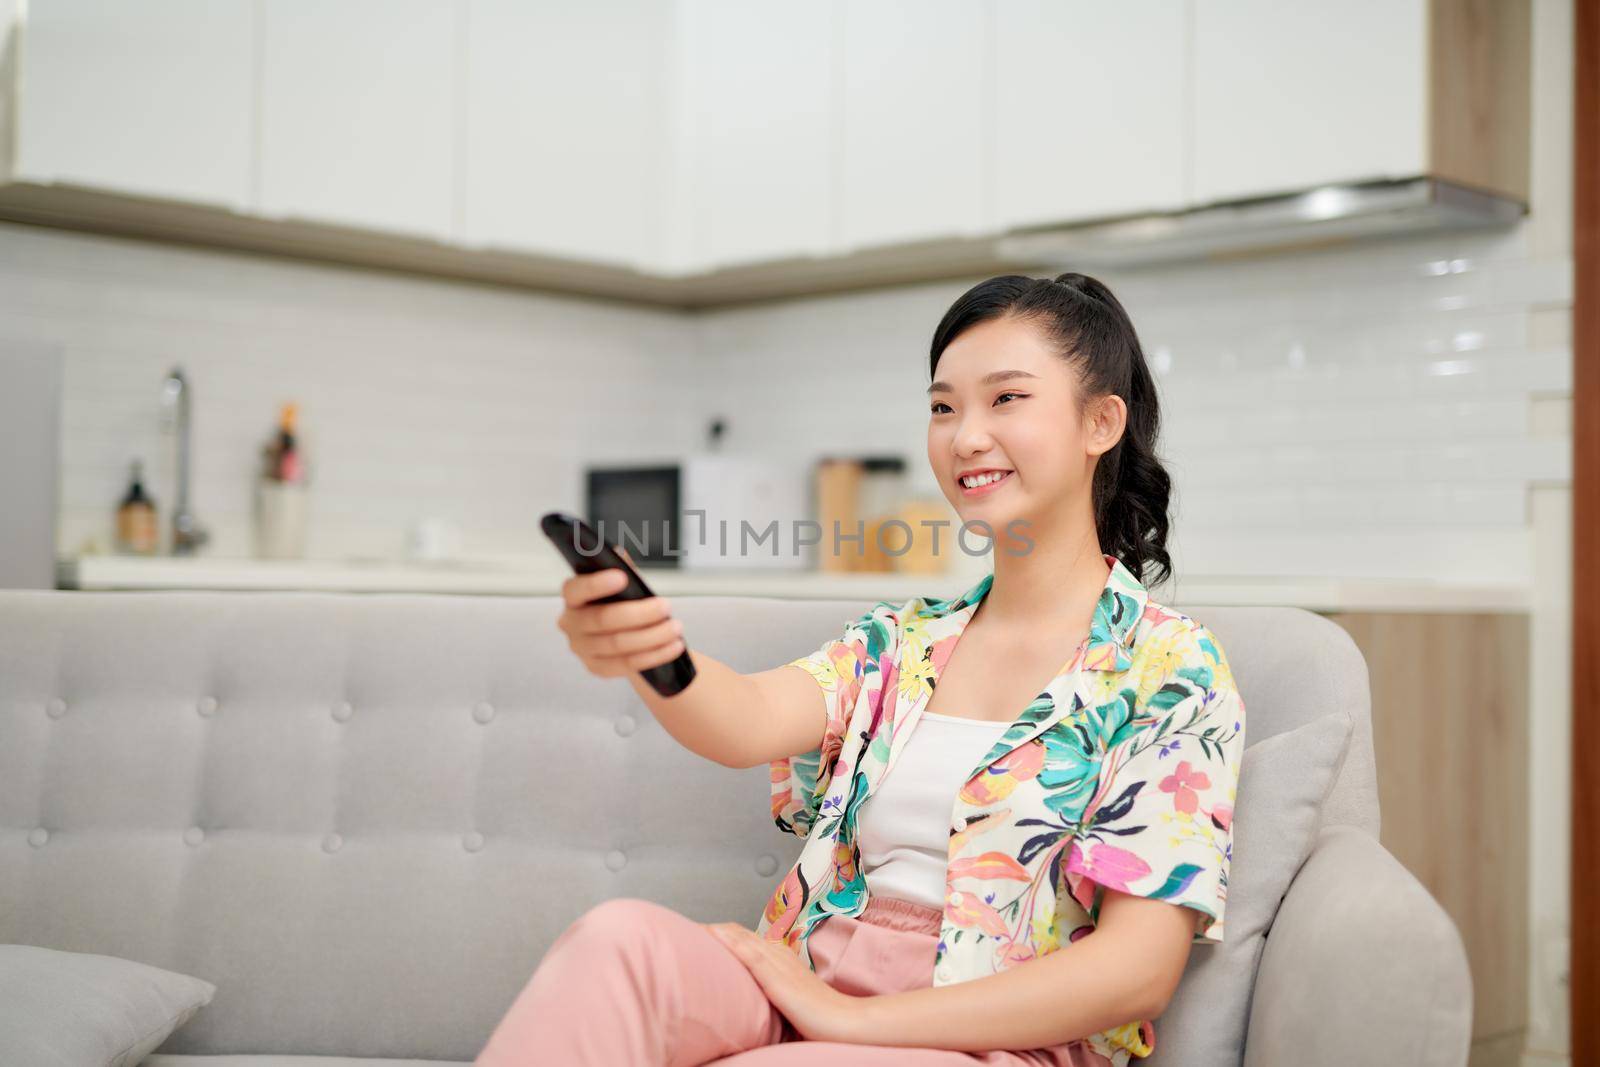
[634, 983]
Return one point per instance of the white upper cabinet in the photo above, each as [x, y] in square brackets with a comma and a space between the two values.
[914, 123]
[153, 99]
[1090, 113]
[757, 105]
[1293, 95]
[569, 129]
[358, 112]
[676, 137]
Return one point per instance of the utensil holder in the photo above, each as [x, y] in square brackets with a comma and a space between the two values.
[281, 511]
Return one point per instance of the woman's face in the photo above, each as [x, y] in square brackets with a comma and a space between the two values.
[1003, 403]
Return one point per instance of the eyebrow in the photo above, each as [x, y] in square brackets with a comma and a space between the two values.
[994, 377]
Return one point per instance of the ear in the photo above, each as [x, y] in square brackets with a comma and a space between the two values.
[1108, 417]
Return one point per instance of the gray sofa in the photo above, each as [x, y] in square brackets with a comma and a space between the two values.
[363, 817]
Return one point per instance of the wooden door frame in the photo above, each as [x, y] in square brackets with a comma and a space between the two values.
[1584, 965]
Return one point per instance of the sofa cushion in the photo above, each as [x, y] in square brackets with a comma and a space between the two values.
[1283, 781]
[79, 1009]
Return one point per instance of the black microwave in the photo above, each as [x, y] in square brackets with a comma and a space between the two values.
[690, 514]
[638, 508]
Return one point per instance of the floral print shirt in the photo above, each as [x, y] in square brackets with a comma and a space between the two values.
[1122, 773]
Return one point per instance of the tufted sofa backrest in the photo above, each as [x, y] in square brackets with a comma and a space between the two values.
[365, 816]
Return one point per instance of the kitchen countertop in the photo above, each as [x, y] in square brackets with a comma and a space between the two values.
[535, 575]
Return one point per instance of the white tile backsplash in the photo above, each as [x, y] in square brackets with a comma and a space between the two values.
[417, 397]
[1322, 412]
[1364, 410]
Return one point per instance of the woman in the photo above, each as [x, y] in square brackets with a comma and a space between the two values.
[1068, 855]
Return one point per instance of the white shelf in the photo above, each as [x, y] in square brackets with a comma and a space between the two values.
[538, 576]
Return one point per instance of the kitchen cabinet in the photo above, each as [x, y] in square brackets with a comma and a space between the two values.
[911, 142]
[698, 153]
[150, 99]
[1451, 728]
[758, 113]
[1090, 116]
[1291, 96]
[569, 138]
[358, 113]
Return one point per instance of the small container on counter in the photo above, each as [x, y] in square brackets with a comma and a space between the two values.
[282, 506]
[864, 490]
[138, 530]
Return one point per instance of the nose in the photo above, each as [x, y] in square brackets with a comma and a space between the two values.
[970, 440]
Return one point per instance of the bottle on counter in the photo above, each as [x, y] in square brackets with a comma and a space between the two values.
[138, 529]
[283, 463]
[282, 504]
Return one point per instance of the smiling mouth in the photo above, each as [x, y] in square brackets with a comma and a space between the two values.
[987, 487]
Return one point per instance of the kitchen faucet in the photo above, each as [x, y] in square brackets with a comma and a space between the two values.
[187, 533]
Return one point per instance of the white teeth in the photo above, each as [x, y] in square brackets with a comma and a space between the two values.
[984, 479]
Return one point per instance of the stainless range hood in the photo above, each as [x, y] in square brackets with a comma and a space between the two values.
[1325, 215]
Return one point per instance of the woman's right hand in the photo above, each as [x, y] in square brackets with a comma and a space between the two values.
[621, 638]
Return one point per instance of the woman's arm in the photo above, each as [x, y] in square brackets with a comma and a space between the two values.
[740, 720]
[1126, 970]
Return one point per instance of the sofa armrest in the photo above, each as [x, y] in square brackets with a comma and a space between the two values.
[1361, 965]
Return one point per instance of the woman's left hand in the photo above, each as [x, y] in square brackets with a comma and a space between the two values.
[817, 1011]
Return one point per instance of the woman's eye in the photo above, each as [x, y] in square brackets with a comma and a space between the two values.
[941, 404]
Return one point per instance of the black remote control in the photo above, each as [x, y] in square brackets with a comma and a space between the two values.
[587, 553]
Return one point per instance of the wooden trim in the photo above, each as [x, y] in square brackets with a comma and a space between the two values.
[1479, 89]
[1462, 678]
[1585, 941]
[117, 213]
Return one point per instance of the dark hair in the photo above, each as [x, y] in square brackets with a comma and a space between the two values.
[1092, 332]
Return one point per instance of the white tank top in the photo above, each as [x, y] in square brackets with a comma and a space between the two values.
[903, 830]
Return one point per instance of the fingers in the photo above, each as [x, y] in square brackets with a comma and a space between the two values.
[767, 961]
[621, 637]
[594, 620]
[580, 589]
[626, 642]
[732, 935]
[611, 666]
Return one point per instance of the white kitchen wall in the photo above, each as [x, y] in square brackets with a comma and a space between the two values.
[1359, 412]
[1363, 411]
[417, 397]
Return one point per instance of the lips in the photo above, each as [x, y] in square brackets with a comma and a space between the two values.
[987, 488]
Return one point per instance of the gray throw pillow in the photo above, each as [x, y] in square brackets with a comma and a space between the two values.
[77, 1009]
[1283, 782]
